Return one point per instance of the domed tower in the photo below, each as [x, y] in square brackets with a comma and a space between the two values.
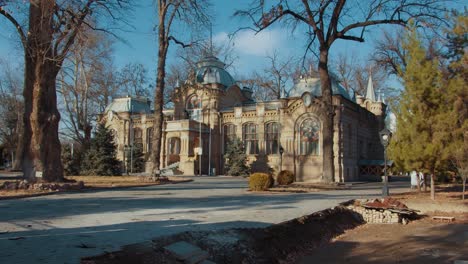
[213, 77]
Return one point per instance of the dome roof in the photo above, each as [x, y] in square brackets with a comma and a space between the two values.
[211, 70]
[312, 85]
[129, 104]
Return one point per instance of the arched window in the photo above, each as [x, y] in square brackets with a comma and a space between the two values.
[249, 136]
[138, 138]
[193, 108]
[173, 147]
[309, 136]
[272, 138]
[149, 139]
[229, 133]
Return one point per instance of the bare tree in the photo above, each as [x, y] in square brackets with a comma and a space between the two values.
[389, 52]
[50, 34]
[278, 73]
[260, 86]
[11, 110]
[78, 86]
[345, 66]
[329, 20]
[169, 12]
[133, 79]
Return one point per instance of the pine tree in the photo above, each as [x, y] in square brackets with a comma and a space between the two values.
[100, 159]
[420, 133]
[236, 158]
[456, 78]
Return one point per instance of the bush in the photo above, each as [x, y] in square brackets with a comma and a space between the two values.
[285, 177]
[260, 181]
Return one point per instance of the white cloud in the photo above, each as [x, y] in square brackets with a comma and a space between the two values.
[261, 44]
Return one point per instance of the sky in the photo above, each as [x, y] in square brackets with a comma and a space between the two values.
[250, 49]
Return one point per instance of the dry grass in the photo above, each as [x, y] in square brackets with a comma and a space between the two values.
[447, 193]
[110, 181]
[92, 182]
[20, 193]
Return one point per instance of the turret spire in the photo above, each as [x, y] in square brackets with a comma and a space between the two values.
[370, 93]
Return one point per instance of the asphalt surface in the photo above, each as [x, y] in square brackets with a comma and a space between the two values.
[64, 227]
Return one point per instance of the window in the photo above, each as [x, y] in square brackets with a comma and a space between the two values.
[173, 146]
[149, 139]
[271, 138]
[194, 106]
[138, 138]
[249, 136]
[229, 133]
[309, 135]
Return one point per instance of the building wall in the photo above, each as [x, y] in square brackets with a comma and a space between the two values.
[356, 128]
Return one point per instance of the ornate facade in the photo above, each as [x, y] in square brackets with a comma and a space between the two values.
[212, 109]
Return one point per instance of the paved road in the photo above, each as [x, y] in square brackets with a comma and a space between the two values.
[64, 227]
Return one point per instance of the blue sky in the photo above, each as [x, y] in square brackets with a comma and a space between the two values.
[250, 49]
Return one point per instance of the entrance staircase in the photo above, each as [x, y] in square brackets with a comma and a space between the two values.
[171, 170]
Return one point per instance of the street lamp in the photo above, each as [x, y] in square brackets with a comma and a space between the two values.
[385, 136]
[281, 151]
[127, 150]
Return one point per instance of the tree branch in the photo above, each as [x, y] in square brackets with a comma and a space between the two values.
[17, 26]
[178, 42]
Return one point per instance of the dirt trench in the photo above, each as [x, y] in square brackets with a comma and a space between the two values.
[285, 242]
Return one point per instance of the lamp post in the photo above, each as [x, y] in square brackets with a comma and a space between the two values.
[385, 136]
[281, 151]
[127, 150]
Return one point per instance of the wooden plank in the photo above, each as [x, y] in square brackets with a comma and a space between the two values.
[449, 218]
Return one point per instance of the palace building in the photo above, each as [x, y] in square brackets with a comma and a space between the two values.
[211, 108]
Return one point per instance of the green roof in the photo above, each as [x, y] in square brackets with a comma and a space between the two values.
[129, 104]
[312, 85]
[211, 70]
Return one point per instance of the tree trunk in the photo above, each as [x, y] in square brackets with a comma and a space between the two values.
[424, 182]
[464, 186]
[327, 131]
[418, 182]
[19, 148]
[41, 145]
[432, 185]
[159, 101]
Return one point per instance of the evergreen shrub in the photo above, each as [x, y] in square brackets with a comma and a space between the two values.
[236, 159]
[260, 181]
[100, 159]
[285, 177]
[71, 162]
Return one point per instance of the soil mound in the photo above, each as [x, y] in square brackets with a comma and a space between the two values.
[281, 243]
